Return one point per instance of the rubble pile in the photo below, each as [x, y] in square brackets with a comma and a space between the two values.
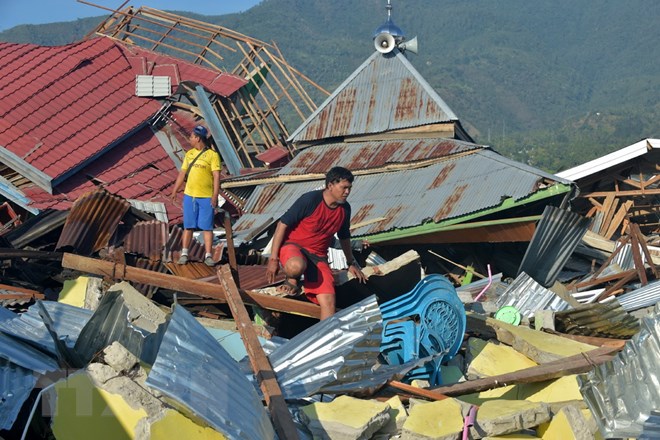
[113, 337]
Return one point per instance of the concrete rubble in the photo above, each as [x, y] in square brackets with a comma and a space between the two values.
[520, 308]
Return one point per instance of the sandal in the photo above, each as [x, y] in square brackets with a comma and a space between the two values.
[289, 288]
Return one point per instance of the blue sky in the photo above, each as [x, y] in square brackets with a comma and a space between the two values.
[15, 12]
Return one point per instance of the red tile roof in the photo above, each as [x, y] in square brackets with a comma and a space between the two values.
[146, 62]
[73, 100]
[72, 113]
[138, 168]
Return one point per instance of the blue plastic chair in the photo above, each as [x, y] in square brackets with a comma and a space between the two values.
[429, 320]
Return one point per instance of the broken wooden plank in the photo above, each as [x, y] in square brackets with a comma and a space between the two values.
[420, 392]
[605, 279]
[579, 363]
[637, 258]
[591, 340]
[618, 219]
[230, 248]
[634, 227]
[609, 206]
[622, 193]
[29, 253]
[181, 284]
[261, 366]
[612, 290]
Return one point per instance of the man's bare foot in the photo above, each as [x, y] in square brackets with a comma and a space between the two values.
[289, 287]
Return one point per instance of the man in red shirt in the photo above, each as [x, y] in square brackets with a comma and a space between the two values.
[303, 235]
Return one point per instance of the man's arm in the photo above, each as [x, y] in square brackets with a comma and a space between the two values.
[353, 266]
[216, 188]
[274, 260]
[178, 183]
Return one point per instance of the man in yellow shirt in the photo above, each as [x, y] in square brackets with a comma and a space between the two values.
[201, 172]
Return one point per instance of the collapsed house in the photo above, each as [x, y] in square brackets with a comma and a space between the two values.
[106, 112]
[94, 306]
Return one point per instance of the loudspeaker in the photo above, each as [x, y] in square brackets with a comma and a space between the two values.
[410, 46]
[384, 42]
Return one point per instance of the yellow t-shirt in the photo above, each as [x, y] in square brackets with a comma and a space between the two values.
[200, 178]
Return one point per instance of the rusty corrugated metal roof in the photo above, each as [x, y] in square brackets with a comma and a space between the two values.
[373, 154]
[147, 239]
[607, 320]
[93, 219]
[407, 198]
[385, 93]
[254, 277]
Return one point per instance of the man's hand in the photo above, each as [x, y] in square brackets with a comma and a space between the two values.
[356, 271]
[273, 269]
[214, 202]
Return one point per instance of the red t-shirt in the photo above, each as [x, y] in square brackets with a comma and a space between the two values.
[312, 224]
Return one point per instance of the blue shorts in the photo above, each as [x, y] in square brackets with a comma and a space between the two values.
[197, 213]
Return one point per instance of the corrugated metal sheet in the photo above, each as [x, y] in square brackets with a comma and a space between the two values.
[528, 296]
[16, 383]
[125, 316]
[29, 326]
[385, 93]
[610, 160]
[651, 428]
[92, 221]
[607, 320]
[556, 237]
[157, 266]
[194, 371]
[13, 296]
[622, 393]
[413, 197]
[147, 239]
[36, 227]
[158, 209]
[365, 155]
[174, 243]
[336, 355]
[26, 356]
[254, 277]
[645, 296]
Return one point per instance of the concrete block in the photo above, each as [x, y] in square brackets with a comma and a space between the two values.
[143, 312]
[568, 424]
[539, 346]
[497, 417]
[345, 418]
[94, 293]
[119, 358]
[544, 319]
[591, 423]
[398, 416]
[490, 359]
[441, 420]
[563, 389]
